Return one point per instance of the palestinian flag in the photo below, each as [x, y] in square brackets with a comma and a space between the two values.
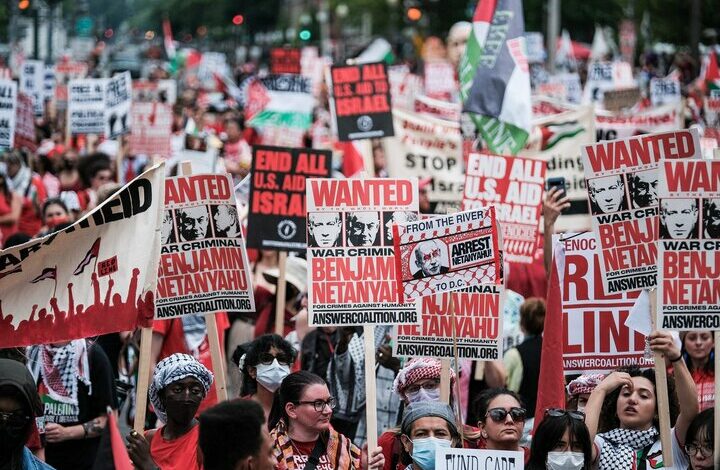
[284, 101]
[555, 132]
[379, 50]
[47, 273]
[494, 78]
[89, 256]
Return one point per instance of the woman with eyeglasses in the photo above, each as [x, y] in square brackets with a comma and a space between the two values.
[624, 409]
[561, 442]
[502, 418]
[264, 364]
[700, 441]
[301, 433]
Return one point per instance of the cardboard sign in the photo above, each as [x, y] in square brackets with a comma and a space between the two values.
[32, 83]
[665, 91]
[67, 286]
[151, 131]
[440, 80]
[595, 338]
[8, 113]
[25, 123]
[515, 186]
[203, 262]
[475, 325]
[424, 146]
[611, 126]
[604, 76]
[360, 101]
[445, 110]
[86, 106]
[478, 459]
[276, 216]
[118, 97]
[615, 100]
[404, 87]
[447, 253]
[689, 246]
[285, 60]
[622, 178]
[351, 256]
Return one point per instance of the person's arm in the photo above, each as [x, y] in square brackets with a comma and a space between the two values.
[55, 433]
[553, 205]
[13, 216]
[597, 397]
[662, 342]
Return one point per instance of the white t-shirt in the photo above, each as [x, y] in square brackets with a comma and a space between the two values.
[654, 458]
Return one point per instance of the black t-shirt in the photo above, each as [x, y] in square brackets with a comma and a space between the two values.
[80, 454]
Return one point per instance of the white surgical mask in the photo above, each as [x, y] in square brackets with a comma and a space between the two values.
[271, 375]
[424, 395]
[565, 460]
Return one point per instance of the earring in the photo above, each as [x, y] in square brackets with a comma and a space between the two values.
[484, 435]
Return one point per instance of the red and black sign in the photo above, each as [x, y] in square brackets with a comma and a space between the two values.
[285, 60]
[107, 266]
[361, 101]
[276, 219]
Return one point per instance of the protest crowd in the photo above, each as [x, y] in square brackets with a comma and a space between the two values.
[464, 259]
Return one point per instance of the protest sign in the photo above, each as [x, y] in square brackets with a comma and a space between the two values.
[8, 113]
[440, 80]
[360, 101]
[478, 459]
[66, 70]
[557, 139]
[83, 280]
[25, 123]
[514, 185]
[477, 331]
[711, 104]
[32, 82]
[665, 91]
[404, 87]
[623, 98]
[48, 82]
[611, 126]
[203, 262]
[152, 128]
[351, 256]
[447, 253]
[285, 60]
[276, 215]
[86, 106]
[424, 146]
[689, 245]
[118, 98]
[604, 76]
[595, 337]
[446, 110]
[622, 178]
[160, 91]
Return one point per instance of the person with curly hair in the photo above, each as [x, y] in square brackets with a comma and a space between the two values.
[624, 409]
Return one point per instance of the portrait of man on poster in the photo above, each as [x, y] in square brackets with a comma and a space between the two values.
[225, 218]
[679, 219]
[607, 194]
[167, 230]
[430, 258]
[711, 218]
[643, 188]
[363, 228]
[192, 223]
[396, 217]
[324, 229]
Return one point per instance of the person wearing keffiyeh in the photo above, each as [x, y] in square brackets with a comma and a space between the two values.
[179, 384]
[625, 409]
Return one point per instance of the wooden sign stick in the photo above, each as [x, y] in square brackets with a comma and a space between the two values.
[280, 295]
[370, 392]
[661, 391]
[143, 380]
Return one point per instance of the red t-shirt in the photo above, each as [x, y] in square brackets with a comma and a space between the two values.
[174, 342]
[302, 454]
[30, 221]
[705, 382]
[178, 454]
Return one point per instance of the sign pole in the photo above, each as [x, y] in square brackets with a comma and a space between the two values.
[280, 295]
[141, 392]
[445, 381]
[370, 393]
[661, 390]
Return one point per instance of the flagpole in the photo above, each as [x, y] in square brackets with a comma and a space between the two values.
[55, 288]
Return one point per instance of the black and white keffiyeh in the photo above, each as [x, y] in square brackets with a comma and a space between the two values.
[60, 368]
[620, 446]
[171, 369]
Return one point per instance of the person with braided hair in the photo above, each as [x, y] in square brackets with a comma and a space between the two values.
[624, 408]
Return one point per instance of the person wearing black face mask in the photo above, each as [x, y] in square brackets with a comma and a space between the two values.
[19, 405]
[178, 386]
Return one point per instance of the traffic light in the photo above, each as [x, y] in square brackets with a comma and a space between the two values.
[238, 20]
[414, 14]
[23, 4]
[305, 34]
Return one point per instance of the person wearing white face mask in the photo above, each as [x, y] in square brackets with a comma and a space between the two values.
[561, 442]
[264, 363]
[426, 427]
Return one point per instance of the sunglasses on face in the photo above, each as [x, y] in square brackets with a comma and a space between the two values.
[320, 405]
[499, 414]
[267, 359]
[558, 412]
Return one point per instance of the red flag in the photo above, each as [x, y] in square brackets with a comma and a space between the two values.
[352, 163]
[551, 383]
[112, 453]
[91, 254]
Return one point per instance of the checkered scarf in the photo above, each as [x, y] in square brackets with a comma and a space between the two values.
[60, 368]
[342, 454]
[171, 369]
[586, 383]
[418, 369]
[620, 447]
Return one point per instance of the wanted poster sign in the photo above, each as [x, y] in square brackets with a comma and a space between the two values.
[478, 459]
[515, 186]
[622, 178]
[8, 113]
[351, 256]
[447, 253]
[474, 324]
[118, 97]
[84, 281]
[86, 106]
[360, 102]
[689, 244]
[276, 216]
[25, 123]
[203, 262]
[595, 338]
[424, 146]
[152, 129]
[32, 83]
[285, 60]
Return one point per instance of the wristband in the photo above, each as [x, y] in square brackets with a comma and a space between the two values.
[676, 359]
